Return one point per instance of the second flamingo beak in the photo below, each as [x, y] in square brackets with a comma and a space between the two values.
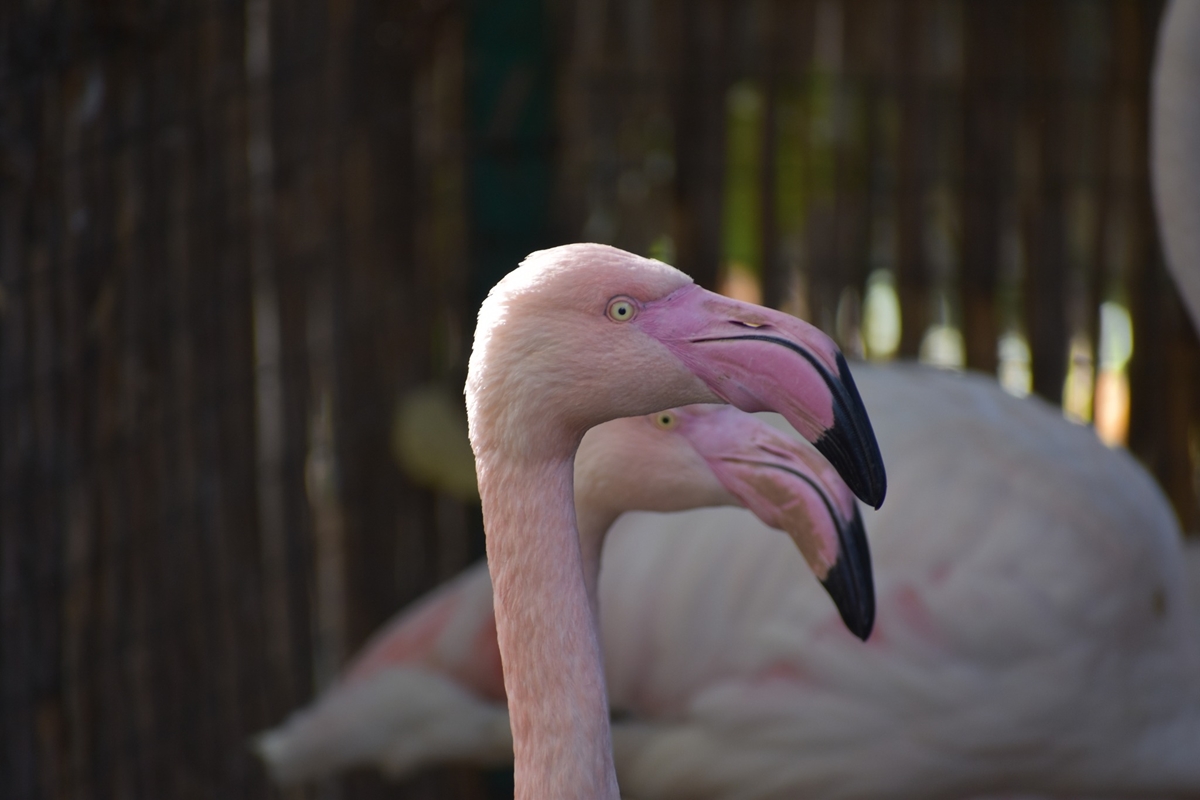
[758, 359]
[789, 486]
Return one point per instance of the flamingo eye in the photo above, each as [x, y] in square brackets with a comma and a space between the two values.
[666, 420]
[621, 310]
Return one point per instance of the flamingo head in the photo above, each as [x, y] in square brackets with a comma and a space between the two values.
[581, 334]
[714, 455]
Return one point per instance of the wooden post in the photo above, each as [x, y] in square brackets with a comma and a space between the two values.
[699, 112]
[987, 167]
[912, 275]
[1045, 277]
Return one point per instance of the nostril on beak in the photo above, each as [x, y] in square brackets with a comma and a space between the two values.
[773, 451]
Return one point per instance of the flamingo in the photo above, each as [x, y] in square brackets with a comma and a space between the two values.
[575, 336]
[429, 687]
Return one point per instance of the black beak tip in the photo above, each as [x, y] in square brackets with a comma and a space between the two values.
[850, 582]
[850, 445]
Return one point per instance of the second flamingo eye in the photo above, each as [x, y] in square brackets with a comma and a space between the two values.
[666, 420]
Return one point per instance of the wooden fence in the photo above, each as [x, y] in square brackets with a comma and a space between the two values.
[233, 233]
[987, 158]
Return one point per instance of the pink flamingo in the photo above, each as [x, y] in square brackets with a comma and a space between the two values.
[428, 688]
[576, 336]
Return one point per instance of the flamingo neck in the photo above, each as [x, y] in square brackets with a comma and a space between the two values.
[593, 528]
[549, 646]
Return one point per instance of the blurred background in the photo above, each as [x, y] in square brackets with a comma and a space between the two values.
[237, 236]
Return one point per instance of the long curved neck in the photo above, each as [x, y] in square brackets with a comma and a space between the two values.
[594, 522]
[553, 668]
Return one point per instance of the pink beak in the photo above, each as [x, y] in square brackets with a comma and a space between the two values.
[758, 359]
[789, 486]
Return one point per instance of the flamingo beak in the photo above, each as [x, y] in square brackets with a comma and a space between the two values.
[758, 359]
[790, 487]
